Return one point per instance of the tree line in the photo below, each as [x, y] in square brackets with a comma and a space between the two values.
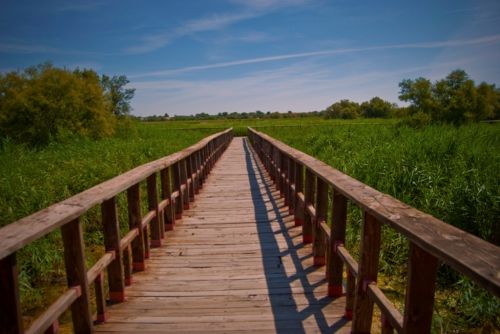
[44, 103]
[455, 99]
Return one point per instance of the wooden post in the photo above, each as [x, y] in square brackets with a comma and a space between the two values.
[335, 263]
[112, 243]
[184, 178]
[196, 179]
[291, 181]
[307, 227]
[166, 194]
[76, 275]
[134, 221]
[386, 325]
[299, 188]
[422, 269]
[282, 175]
[10, 310]
[155, 224]
[100, 300]
[319, 246]
[127, 266]
[190, 172]
[177, 187]
[368, 270]
[350, 294]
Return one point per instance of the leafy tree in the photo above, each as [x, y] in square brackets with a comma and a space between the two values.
[419, 93]
[455, 99]
[343, 109]
[376, 107]
[118, 97]
[43, 103]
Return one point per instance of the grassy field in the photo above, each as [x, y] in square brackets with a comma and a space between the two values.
[450, 172]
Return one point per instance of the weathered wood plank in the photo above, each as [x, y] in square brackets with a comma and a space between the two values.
[235, 262]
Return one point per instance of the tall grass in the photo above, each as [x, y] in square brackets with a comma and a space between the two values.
[449, 172]
[34, 179]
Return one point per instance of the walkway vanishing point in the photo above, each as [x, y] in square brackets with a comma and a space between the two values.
[235, 262]
[238, 235]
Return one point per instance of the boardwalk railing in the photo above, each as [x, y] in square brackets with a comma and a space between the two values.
[431, 240]
[181, 177]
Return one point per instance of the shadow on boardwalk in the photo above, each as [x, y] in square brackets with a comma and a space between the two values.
[287, 316]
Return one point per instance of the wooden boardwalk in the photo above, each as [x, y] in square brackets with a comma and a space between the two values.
[235, 262]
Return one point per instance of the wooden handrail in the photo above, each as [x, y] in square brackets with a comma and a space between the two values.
[430, 238]
[188, 168]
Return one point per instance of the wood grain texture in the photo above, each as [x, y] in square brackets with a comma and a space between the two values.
[236, 262]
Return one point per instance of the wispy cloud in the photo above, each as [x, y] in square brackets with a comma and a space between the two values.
[303, 86]
[250, 10]
[27, 48]
[493, 39]
[155, 41]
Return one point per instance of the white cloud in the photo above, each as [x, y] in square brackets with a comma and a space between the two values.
[493, 39]
[250, 9]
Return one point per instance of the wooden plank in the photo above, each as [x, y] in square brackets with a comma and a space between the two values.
[10, 310]
[233, 264]
[392, 318]
[464, 252]
[54, 311]
[76, 275]
[166, 190]
[99, 266]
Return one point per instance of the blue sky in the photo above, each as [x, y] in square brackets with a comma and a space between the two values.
[191, 56]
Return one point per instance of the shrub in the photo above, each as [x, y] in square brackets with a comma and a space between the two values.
[44, 103]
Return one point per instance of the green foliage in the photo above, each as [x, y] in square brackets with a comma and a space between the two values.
[43, 103]
[344, 109]
[377, 108]
[117, 96]
[455, 99]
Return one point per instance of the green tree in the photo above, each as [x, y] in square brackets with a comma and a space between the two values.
[43, 103]
[117, 96]
[376, 107]
[419, 93]
[455, 99]
[343, 109]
